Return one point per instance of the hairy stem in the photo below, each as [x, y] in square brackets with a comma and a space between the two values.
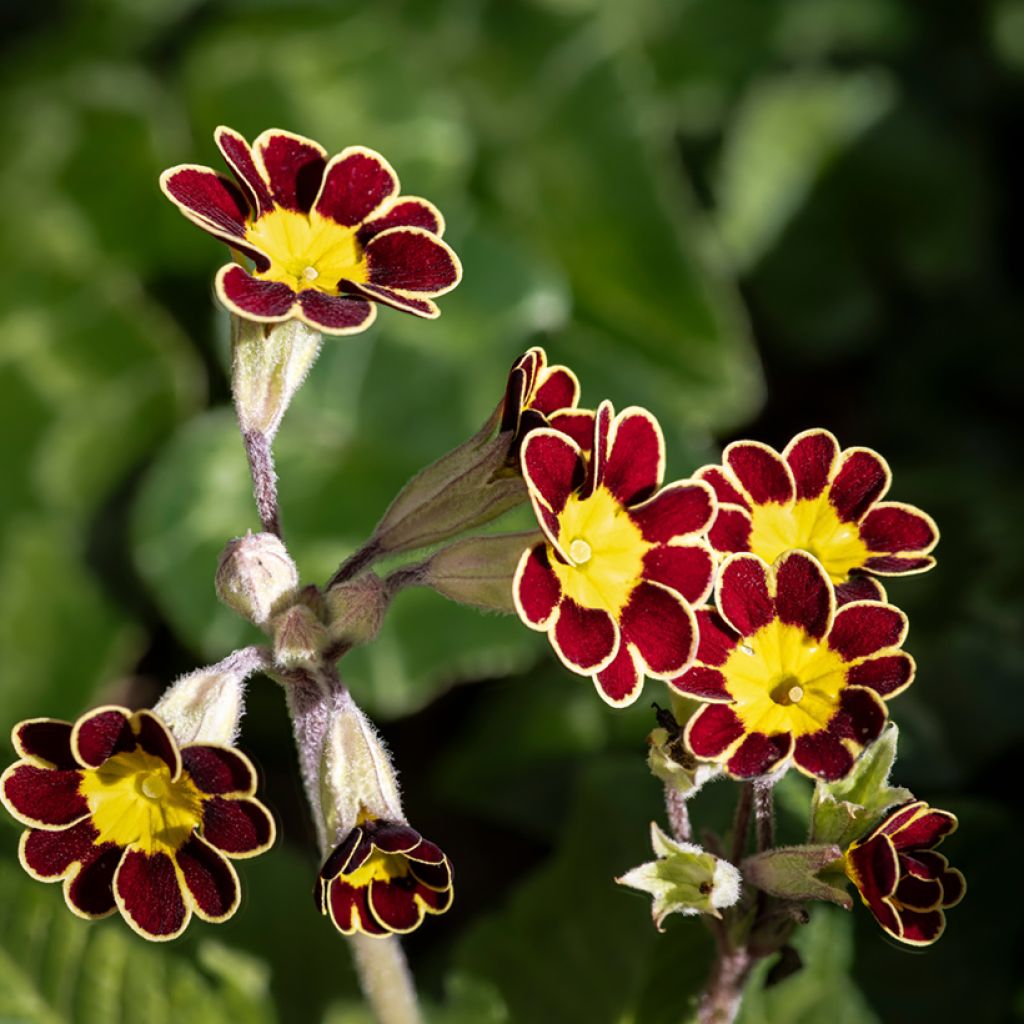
[678, 814]
[741, 822]
[720, 1002]
[385, 979]
[355, 564]
[764, 812]
[264, 479]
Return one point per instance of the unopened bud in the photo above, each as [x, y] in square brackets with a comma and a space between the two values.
[355, 610]
[256, 576]
[479, 571]
[800, 873]
[299, 636]
[670, 761]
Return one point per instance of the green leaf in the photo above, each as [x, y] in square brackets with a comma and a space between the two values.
[58, 969]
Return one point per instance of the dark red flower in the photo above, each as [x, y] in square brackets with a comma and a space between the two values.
[327, 238]
[128, 821]
[900, 877]
[383, 878]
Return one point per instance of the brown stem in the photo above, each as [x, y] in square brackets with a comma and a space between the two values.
[264, 479]
[741, 822]
[355, 564]
[764, 812]
[678, 814]
[720, 1002]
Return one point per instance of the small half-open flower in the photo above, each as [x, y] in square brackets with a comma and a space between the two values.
[683, 879]
[900, 877]
[539, 395]
[823, 500]
[623, 558]
[327, 238]
[785, 675]
[383, 878]
[127, 820]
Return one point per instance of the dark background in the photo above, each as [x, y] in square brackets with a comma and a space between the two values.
[750, 216]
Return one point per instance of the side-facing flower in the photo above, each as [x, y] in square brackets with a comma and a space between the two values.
[684, 879]
[900, 877]
[786, 674]
[328, 238]
[622, 559]
[383, 878]
[127, 820]
[539, 395]
[822, 500]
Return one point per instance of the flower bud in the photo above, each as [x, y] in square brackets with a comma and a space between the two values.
[354, 610]
[684, 879]
[256, 576]
[799, 873]
[299, 636]
[670, 761]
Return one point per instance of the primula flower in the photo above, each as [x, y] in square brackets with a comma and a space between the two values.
[383, 878]
[821, 500]
[900, 877]
[328, 238]
[538, 395]
[623, 557]
[129, 821]
[786, 674]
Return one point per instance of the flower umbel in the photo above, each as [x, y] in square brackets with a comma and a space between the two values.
[786, 675]
[328, 238]
[900, 877]
[127, 820]
[623, 557]
[824, 501]
[383, 878]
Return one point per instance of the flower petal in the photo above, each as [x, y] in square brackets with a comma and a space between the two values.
[886, 674]
[433, 876]
[44, 739]
[210, 880]
[559, 389]
[603, 418]
[823, 755]
[350, 909]
[47, 855]
[406, 212]
[356, 184]
[863, 628]
[731, 529]
[761, 471]
[552, 467]
[263, 301]
[337, 862]
[535, 588]
[861, 717]
[394, 905]
[803, 593]
[680, 508]
[89, 891]
[619, 683]
[148, 894]
[293, 167]
[586, 639]
[688, 569]
[577, 424]
[713, 730]
[636, 458]
[217, 770]
[954, 887]
[723, 483]
[893, 527]
[810, 457]
[874, 868]
[924, 829]
[100, 734]
[921, 929]
[717, 639]
[859, 588]
[894, 565]
[744, 596]
[703, 683]
[210, 200]
[660, 625]
[919, 893]
[235, 150]
[336, 314]
[434, 901]
[759, 754]
[403, 303]
[394, 837]
[412, 260]
[238, 827]
[861, 479]
[42, 797]
[155, 738]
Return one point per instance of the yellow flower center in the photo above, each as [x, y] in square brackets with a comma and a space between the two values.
[810, 525]
[307, 250]
[134, 803]
[384, 867]
[606, 549]
[784, 681]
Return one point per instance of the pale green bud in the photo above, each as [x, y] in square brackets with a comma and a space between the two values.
[256, 576]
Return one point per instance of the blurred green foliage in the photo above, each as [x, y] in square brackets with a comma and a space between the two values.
[634, 186]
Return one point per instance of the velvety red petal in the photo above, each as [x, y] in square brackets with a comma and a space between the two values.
[919, 893]
[859, 588]
[349, 908]
[954, 887]
[219, 770]
[211, 881]
[731, 529]
[243, 294]
[599, 448]
[621, 681]
[585, 639]
[893, 527]
[412, 260]
[875, 872]
[236, 152]
[149, 895]
[437, 901]
[744, 597]
[923, 830]
[716, 640]
[403, 303]
[536, 588]
[886, 674]
[861, 479]
[921, 929]
[433, 876]
[660, 624]
[101, 734]
[861, 716]
[90, 891]
[559, 390]
[394, 837]
[676, 510]
[516, 391]
[394, 905]
[900, 817]
[703, 683]
[208, 199]
[45, 739]
[712, 730]
[155, 738]
[803, 593]
[759, 754]
[407, 212]
[237, 826]
[895, 565]
[427, 852]
[43, 796]
[48, 854]
[552, 467]
[293, 167]
[864, 628]
[810, 456]
[723, 485]
[761, 471]
[636, 458]
[689, 569]
[336, 314]
[823, 755]
[337, 862]
[355, 185]
[577, 424]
